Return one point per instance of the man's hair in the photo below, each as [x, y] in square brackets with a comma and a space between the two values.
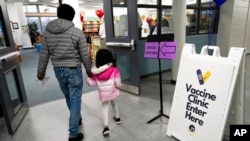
[66, 12]
[103, 57]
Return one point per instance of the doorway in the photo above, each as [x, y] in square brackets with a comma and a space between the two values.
[13, 98]
[121, 40]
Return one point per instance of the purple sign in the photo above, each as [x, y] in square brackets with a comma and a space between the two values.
[151, 50]
[167, 50]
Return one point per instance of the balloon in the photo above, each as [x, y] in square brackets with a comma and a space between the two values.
[219, 2]
[99, 13]
[82, 16]
[148, 19]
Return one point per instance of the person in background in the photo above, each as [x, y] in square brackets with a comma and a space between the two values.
[102, 34]
[106, 77]
[66, 46]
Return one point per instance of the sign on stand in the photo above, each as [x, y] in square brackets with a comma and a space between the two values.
[160, 50]
[203, 93]
[160, 47]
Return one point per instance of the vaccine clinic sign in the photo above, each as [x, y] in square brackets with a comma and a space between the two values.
[203, 89]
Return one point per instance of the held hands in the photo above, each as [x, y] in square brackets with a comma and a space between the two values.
[40, 77]
[89, 74]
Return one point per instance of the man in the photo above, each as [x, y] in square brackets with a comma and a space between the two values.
[66, 46]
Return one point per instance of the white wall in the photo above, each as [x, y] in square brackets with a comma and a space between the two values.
[17, 15]
[233, 25]
[247, 34]
[13, 17]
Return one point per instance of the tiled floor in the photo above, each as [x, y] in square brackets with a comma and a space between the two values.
[48, 121]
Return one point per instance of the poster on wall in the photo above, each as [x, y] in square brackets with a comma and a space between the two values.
[202, 97]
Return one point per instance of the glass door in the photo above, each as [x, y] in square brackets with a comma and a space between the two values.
[121, 36]
[13, 100]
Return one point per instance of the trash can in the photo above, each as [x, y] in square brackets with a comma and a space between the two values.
[38, 47]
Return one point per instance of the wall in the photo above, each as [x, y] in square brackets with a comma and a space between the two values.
[233, 25]
[16, 14]
[247, 35]
[13, 17]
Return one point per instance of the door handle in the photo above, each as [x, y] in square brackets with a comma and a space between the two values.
[116, 44]
[9, 56]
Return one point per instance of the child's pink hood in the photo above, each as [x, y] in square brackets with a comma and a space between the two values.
[104, 72]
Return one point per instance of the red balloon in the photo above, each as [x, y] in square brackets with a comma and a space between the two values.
[99, 13]
[82, 16]
[148, 19]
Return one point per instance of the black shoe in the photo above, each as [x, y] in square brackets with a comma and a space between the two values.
[117, 120]
[105, 131]
[80, 122]
[79, 137]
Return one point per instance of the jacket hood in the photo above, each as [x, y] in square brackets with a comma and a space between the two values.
[104, 72]
[59, 25]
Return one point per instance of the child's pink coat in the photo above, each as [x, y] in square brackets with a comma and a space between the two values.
[107, 79]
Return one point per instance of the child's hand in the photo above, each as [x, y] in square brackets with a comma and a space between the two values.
[118, 86]
[91, 81]
[88, 81]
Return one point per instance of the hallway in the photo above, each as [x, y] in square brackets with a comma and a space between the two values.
[48, 121]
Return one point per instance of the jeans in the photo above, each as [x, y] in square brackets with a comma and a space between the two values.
[71, 84]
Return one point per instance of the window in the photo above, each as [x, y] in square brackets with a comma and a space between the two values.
[2, 35]
[166, 21]
[45, 20]
[35, 20]
[120, 21]
[191, 27]
[207, 18]
[201, 16]
[46, 9]
[30, 8]
[148, 17]
[149, 2]
[167, 2]
[40, 14]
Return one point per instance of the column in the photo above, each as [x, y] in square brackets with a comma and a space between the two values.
[75, 5]
[179, 29]
[17, 15]
[23, 25]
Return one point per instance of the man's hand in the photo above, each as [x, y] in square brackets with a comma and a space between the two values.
[40, 77]
[89, 74]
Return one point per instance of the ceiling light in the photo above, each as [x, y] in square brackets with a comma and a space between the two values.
[54, 1]
[33, 0]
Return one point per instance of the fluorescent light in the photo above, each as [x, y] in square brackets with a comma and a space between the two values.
[54, 1]
[33, 0]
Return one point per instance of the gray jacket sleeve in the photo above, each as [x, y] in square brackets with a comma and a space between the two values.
[43, 59]
[84, 53]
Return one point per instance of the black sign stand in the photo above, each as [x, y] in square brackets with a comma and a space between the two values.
[160, 38]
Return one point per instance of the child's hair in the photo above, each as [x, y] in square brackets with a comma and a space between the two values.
[104, 56]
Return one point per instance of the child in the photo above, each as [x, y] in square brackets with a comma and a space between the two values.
[106, 77]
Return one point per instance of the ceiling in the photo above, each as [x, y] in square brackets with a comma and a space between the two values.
[55, 2]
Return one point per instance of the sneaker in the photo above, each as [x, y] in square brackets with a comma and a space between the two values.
[117, 120]
[105, 131]
[80, 122]
[79, 137]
